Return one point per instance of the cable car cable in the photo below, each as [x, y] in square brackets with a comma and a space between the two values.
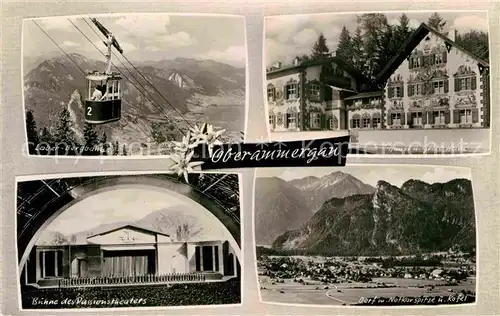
[67, 55]
[169, 120]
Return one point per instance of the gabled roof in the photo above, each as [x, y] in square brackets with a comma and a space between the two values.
[366, 95]
[411, 43]
[134, 226]
[336, 59]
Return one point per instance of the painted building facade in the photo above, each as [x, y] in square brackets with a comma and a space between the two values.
[431, 83]
[129, 251]
[309, 96]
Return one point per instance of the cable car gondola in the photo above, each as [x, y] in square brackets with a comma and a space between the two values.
[104, 92]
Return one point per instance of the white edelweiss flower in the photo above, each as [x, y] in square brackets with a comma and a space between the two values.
[183, 165]
[211, 138]
[197, 134]
[184, 145]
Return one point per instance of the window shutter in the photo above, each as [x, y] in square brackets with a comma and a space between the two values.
[447, 117]
[445, 55]
[284, 93]
[456, 116]
[475, 115]
[389, 119]
[322, 123]
[403, 119]
[297, 88]
[410, 63]
[402, 91]
[285, 123]
[474, 83]
[424, 88]
[421, 61]
[408, 87]
[408, 118]
[389, 91]
[431, 118]
[424, 117]
[457, 84]
[446, 84]
[351, 123]
[431, 87]
[274, 121]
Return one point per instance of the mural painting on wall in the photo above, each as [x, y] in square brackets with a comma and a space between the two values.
[279, 119]
[334, 124]
[397, 105]
[466, 100]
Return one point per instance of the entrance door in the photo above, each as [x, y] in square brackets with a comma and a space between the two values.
[230, 265]
[208, 258]
[82, 268]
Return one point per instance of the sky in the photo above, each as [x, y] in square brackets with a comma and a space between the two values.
[370, 174]
[143, 37]
[131, 204]
[292, 35]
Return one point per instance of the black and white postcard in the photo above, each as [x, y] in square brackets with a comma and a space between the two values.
[121, 85]
[128, 240]
[366, 235]
[411, 82]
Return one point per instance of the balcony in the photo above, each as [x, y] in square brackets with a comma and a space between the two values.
[337, 81]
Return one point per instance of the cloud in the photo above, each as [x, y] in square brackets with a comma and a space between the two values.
[470, 22]
[442, 175]
[58, 23]
[233, 55]
[277, 51]
[146, 25]
[306, 37]
[179, 39]
[69, 44]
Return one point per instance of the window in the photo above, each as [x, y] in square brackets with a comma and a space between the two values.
[466, 117]
[375, 102]
[333, 123]
[376, 122]
[439, 118]
[291, 91]
[272, 120]
[418, 89]
[438, 58]
[415, 62]
[438, 86]
[271, 93]
[396, 119]
[417, 119]
[291, 120]
[355, 122]
[315, 120]
[315, 92]
[465, 83]
[366, 122]
[51, 263]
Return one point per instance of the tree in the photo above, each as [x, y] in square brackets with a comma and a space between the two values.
[376, 34]
[90, 138]
[403, 30]
[437, 22]
[475, 42]
[345, 47]
[31, 131]
[124, 152]
[45, 136]
[303, 58]
[104, 143]
[320, 48]
[184, 231]
[116, 148]
[63, 131]
[357, 59]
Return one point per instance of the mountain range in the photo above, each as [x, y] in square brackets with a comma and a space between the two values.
[286, 205]
[418, 217]
[190, 86]
[170, 221]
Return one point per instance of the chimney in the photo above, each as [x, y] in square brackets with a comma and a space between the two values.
[277, 65]
[296, 61]
[453, 34]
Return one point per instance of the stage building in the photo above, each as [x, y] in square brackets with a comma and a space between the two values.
[130, 254]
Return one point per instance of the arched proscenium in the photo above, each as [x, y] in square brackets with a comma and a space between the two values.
[49, 212]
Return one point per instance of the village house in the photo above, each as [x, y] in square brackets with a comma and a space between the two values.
[432, 83]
